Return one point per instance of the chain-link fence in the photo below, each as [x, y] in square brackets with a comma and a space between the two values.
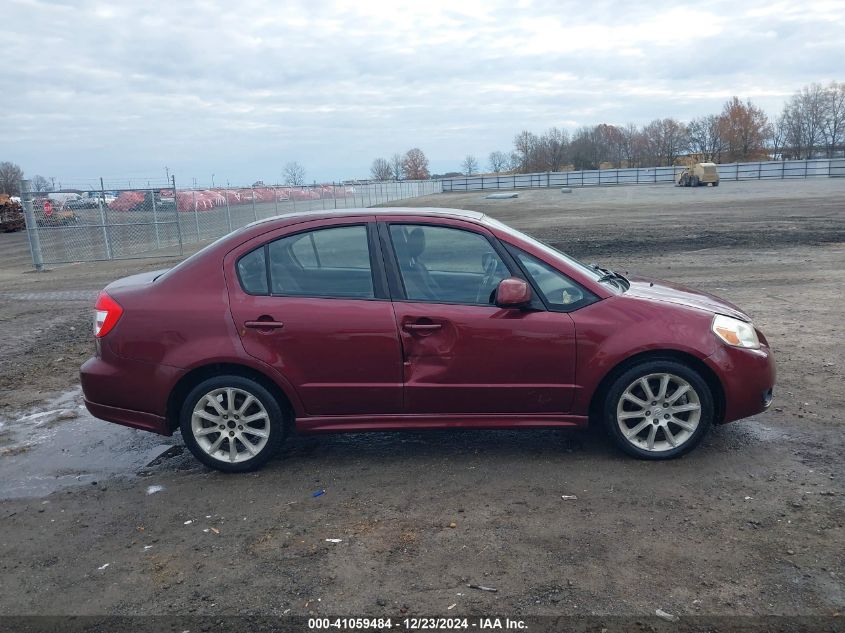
[159, 220]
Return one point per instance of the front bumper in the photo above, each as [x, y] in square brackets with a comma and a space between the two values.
[747, 377]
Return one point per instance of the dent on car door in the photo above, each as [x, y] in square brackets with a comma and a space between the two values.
[462, 353]
[311, 305]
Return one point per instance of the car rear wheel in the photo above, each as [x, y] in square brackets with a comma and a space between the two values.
[658, 410]
[232, 423]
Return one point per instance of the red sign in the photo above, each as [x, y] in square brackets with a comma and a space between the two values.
[48, 208]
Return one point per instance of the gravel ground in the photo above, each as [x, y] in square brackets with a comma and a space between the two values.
[750, 523]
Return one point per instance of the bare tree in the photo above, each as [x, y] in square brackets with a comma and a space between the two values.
[40, 184]
[833, 125]
[381, 170]
[10, 178]
[554, 146]
[778, 134]
[498, 162]
[469, 165]
[665, 139]
[294, 174]
[396, 166]
[415, 165]
[705, 138]
[631, 145]
[525, 146]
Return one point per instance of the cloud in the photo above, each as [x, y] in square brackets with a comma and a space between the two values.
[238, 89]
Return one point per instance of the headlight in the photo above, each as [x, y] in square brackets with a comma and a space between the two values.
[735, 332]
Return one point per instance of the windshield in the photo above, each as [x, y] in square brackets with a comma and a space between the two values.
[594, 272]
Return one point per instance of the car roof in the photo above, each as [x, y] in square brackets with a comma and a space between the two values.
[299, 216]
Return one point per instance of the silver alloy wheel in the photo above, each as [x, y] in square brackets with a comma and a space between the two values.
[658, 412]
[230, 424]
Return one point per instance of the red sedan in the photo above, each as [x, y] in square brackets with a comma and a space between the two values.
[389, 319]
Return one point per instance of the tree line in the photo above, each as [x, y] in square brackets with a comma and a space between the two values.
[811, 125]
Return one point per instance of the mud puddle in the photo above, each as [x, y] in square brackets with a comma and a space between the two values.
[59, 444]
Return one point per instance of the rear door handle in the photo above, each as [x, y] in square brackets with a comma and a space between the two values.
[264, 325]
[422, 327]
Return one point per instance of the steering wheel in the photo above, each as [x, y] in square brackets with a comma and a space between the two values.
[491, 265]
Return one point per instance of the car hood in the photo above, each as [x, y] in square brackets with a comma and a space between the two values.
[668, 292]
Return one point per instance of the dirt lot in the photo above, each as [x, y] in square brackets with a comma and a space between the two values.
[750, 523]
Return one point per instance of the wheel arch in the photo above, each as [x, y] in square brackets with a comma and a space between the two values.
[194, 377]
[707, 374]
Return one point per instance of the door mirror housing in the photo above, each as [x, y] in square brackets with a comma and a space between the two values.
[513, 293]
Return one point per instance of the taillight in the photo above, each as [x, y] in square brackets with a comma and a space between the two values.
[107, 312]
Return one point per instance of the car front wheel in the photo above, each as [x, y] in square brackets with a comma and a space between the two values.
[658, 409]
[231, 423]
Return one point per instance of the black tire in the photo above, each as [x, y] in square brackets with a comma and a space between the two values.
[275, 420]
[647, 368]
[716, 184]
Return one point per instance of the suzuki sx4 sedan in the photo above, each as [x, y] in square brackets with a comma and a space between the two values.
[391, 319]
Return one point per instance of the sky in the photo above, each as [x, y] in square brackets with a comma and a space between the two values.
[135, 89]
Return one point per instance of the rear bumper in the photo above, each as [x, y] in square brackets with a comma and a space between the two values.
[128, 392]
[747, 377]
[127, 417]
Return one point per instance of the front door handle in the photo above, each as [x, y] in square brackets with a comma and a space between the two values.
[422, 327]
[264, 325]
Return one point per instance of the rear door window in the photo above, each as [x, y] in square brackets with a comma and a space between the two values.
[329, 262]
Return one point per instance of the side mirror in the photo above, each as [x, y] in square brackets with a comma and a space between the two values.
[513, 293]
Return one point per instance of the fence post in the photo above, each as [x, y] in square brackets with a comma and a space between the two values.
[176, 211]
[104, 217]
[196, 213]
[736, 165]
[31, 227]
[155, 217]
[228, 209]
[783, 170]
[805, 168]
